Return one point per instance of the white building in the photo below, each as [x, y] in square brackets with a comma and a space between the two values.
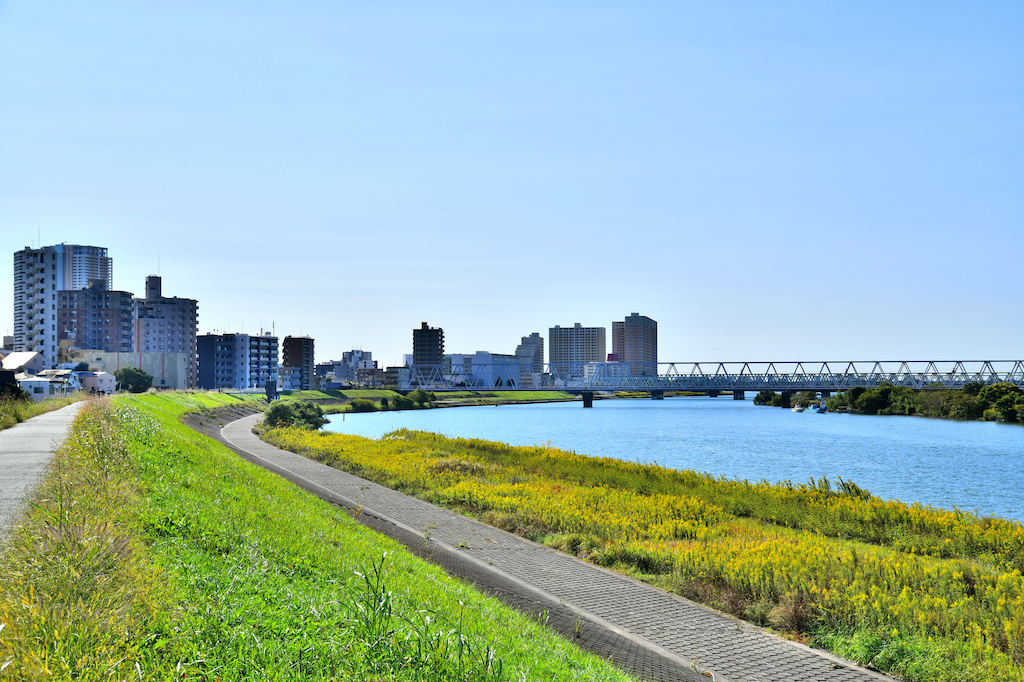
[28, 362]
[482, 370]
[98, 382]
[38, 275]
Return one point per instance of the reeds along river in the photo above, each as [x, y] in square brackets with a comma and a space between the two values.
[973, 466]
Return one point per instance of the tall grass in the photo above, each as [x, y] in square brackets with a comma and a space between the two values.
[16, 411]
[938, 595]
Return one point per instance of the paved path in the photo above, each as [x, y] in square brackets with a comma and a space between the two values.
[25, 451]
[655, 635]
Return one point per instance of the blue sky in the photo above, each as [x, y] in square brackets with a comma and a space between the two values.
[769, 181]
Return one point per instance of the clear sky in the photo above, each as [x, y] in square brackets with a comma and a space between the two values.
[768, 180]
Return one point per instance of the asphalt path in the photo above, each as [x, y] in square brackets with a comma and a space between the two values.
[25, 451]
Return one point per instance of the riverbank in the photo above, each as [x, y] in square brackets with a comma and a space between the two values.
[154, 553]
[923, 593]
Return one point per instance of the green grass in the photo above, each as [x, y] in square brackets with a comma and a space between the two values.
[155, 553]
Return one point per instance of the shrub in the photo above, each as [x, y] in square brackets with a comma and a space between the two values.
[363, 405]
[304, 414]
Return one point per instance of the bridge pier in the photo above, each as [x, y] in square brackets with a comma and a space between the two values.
[657, 395]
[787, 399]
[712, 394]
[825, 394]
[739, 395]
[588, 399]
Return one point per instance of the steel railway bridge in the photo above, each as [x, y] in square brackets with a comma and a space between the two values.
[711, 377]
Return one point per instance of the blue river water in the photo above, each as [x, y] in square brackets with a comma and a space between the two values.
[973, 466]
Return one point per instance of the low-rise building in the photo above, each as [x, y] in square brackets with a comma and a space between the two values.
[169, 370]
[28, 362]
[98, 382]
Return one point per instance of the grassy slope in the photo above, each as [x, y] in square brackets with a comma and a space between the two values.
[156, 553]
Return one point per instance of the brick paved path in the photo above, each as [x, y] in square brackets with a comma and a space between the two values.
[653, 634]
[25, 451]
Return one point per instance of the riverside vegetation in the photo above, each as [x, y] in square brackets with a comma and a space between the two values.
[151, 552]
[995, 402]
[924, 593]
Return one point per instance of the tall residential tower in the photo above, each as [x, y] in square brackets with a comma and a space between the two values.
[167, 325]
[39, 274]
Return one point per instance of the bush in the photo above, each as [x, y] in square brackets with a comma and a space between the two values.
[384, 403]
[764, 397]
[363, 405]
[303, 414]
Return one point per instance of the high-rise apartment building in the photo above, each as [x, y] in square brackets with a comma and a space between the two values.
[427, 345]
[238, 361]
[95, 318]
[166, 325]
[297, 351]
[39, 274]
[635, 342]
[576, 344]
[531, 359]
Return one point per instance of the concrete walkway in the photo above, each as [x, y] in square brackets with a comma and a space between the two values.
[653, 634]
[25, 451]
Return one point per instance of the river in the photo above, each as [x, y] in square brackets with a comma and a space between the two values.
[973, 466]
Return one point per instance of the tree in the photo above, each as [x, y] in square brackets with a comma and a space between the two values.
[764, 397]
[13, 392]
[384, 403]
[133, 379]
[419, 396]
[82, 367]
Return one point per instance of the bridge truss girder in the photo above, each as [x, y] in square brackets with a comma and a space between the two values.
[716, 376]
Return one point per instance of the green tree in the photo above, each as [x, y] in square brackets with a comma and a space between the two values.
[963, 406]
[401, 402]
[82, 367]
[13, 392]
[384, 403]
[764, 397]
[993, 393]
[133, 379]
[973, 388]
[420, 397]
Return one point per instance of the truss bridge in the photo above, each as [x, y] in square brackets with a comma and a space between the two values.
[712, 377]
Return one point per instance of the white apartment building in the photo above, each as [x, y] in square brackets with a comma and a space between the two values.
[576, 344]
[38, 275]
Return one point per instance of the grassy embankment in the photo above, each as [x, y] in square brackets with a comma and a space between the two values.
[924, 593]
[15, 411]
[334, 402]
[155, 553]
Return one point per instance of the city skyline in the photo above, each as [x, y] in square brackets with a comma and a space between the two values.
[793, 182]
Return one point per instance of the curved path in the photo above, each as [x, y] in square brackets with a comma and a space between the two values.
[25, 451]
[653, 634]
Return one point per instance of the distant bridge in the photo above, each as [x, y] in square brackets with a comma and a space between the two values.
[711, 377]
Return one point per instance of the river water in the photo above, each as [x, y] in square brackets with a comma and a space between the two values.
[974, 466]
